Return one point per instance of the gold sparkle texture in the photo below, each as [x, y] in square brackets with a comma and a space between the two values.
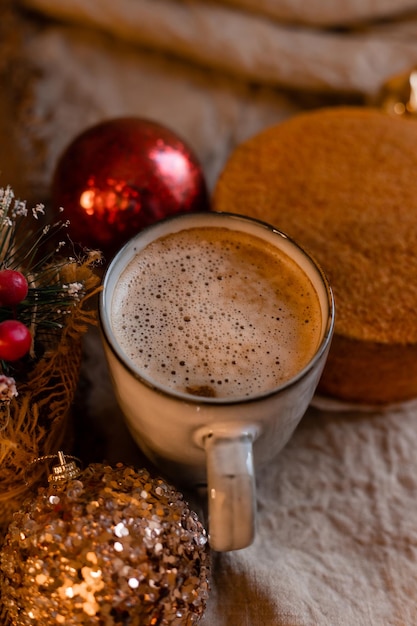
[112, 547]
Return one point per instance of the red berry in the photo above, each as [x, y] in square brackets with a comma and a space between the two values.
[13, 287]
[15, 340]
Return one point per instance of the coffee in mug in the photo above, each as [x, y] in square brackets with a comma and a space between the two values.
[213, 312]
[216, 328]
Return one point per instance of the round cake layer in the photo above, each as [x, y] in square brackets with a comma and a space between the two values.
[342, 182]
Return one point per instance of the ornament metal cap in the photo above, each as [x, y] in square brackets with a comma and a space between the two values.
[65, 470]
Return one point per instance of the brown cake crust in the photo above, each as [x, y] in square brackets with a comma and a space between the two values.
[343, 183]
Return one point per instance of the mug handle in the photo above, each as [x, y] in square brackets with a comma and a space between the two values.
[230, 485]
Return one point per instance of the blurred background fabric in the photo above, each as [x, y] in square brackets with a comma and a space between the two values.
[237, 66]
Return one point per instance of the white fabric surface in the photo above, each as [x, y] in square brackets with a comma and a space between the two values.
[325, 12]
[337, 541]
[337, 535]
[249, 45]
[315, 12]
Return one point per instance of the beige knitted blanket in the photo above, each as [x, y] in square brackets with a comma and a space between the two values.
[337, 536]
[274, 42]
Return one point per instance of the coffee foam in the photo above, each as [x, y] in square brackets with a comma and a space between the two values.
[213, 312]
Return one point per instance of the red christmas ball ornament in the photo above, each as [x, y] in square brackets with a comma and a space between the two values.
[15, 340]
[13, 287]
[121, 175]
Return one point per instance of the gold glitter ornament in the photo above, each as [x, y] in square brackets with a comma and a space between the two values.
[111, 547]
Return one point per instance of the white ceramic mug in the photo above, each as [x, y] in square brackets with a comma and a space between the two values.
[216, 441]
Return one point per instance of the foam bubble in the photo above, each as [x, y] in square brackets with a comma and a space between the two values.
[213, 312]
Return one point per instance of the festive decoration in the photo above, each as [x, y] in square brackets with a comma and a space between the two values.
[13, 287]
[398, 95]
[15, 340]
[122, 175]
[43, 315]
[111, 546]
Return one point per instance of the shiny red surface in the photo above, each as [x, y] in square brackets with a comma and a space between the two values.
[122, 175]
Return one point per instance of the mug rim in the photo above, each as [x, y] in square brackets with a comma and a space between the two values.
[108, 335]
